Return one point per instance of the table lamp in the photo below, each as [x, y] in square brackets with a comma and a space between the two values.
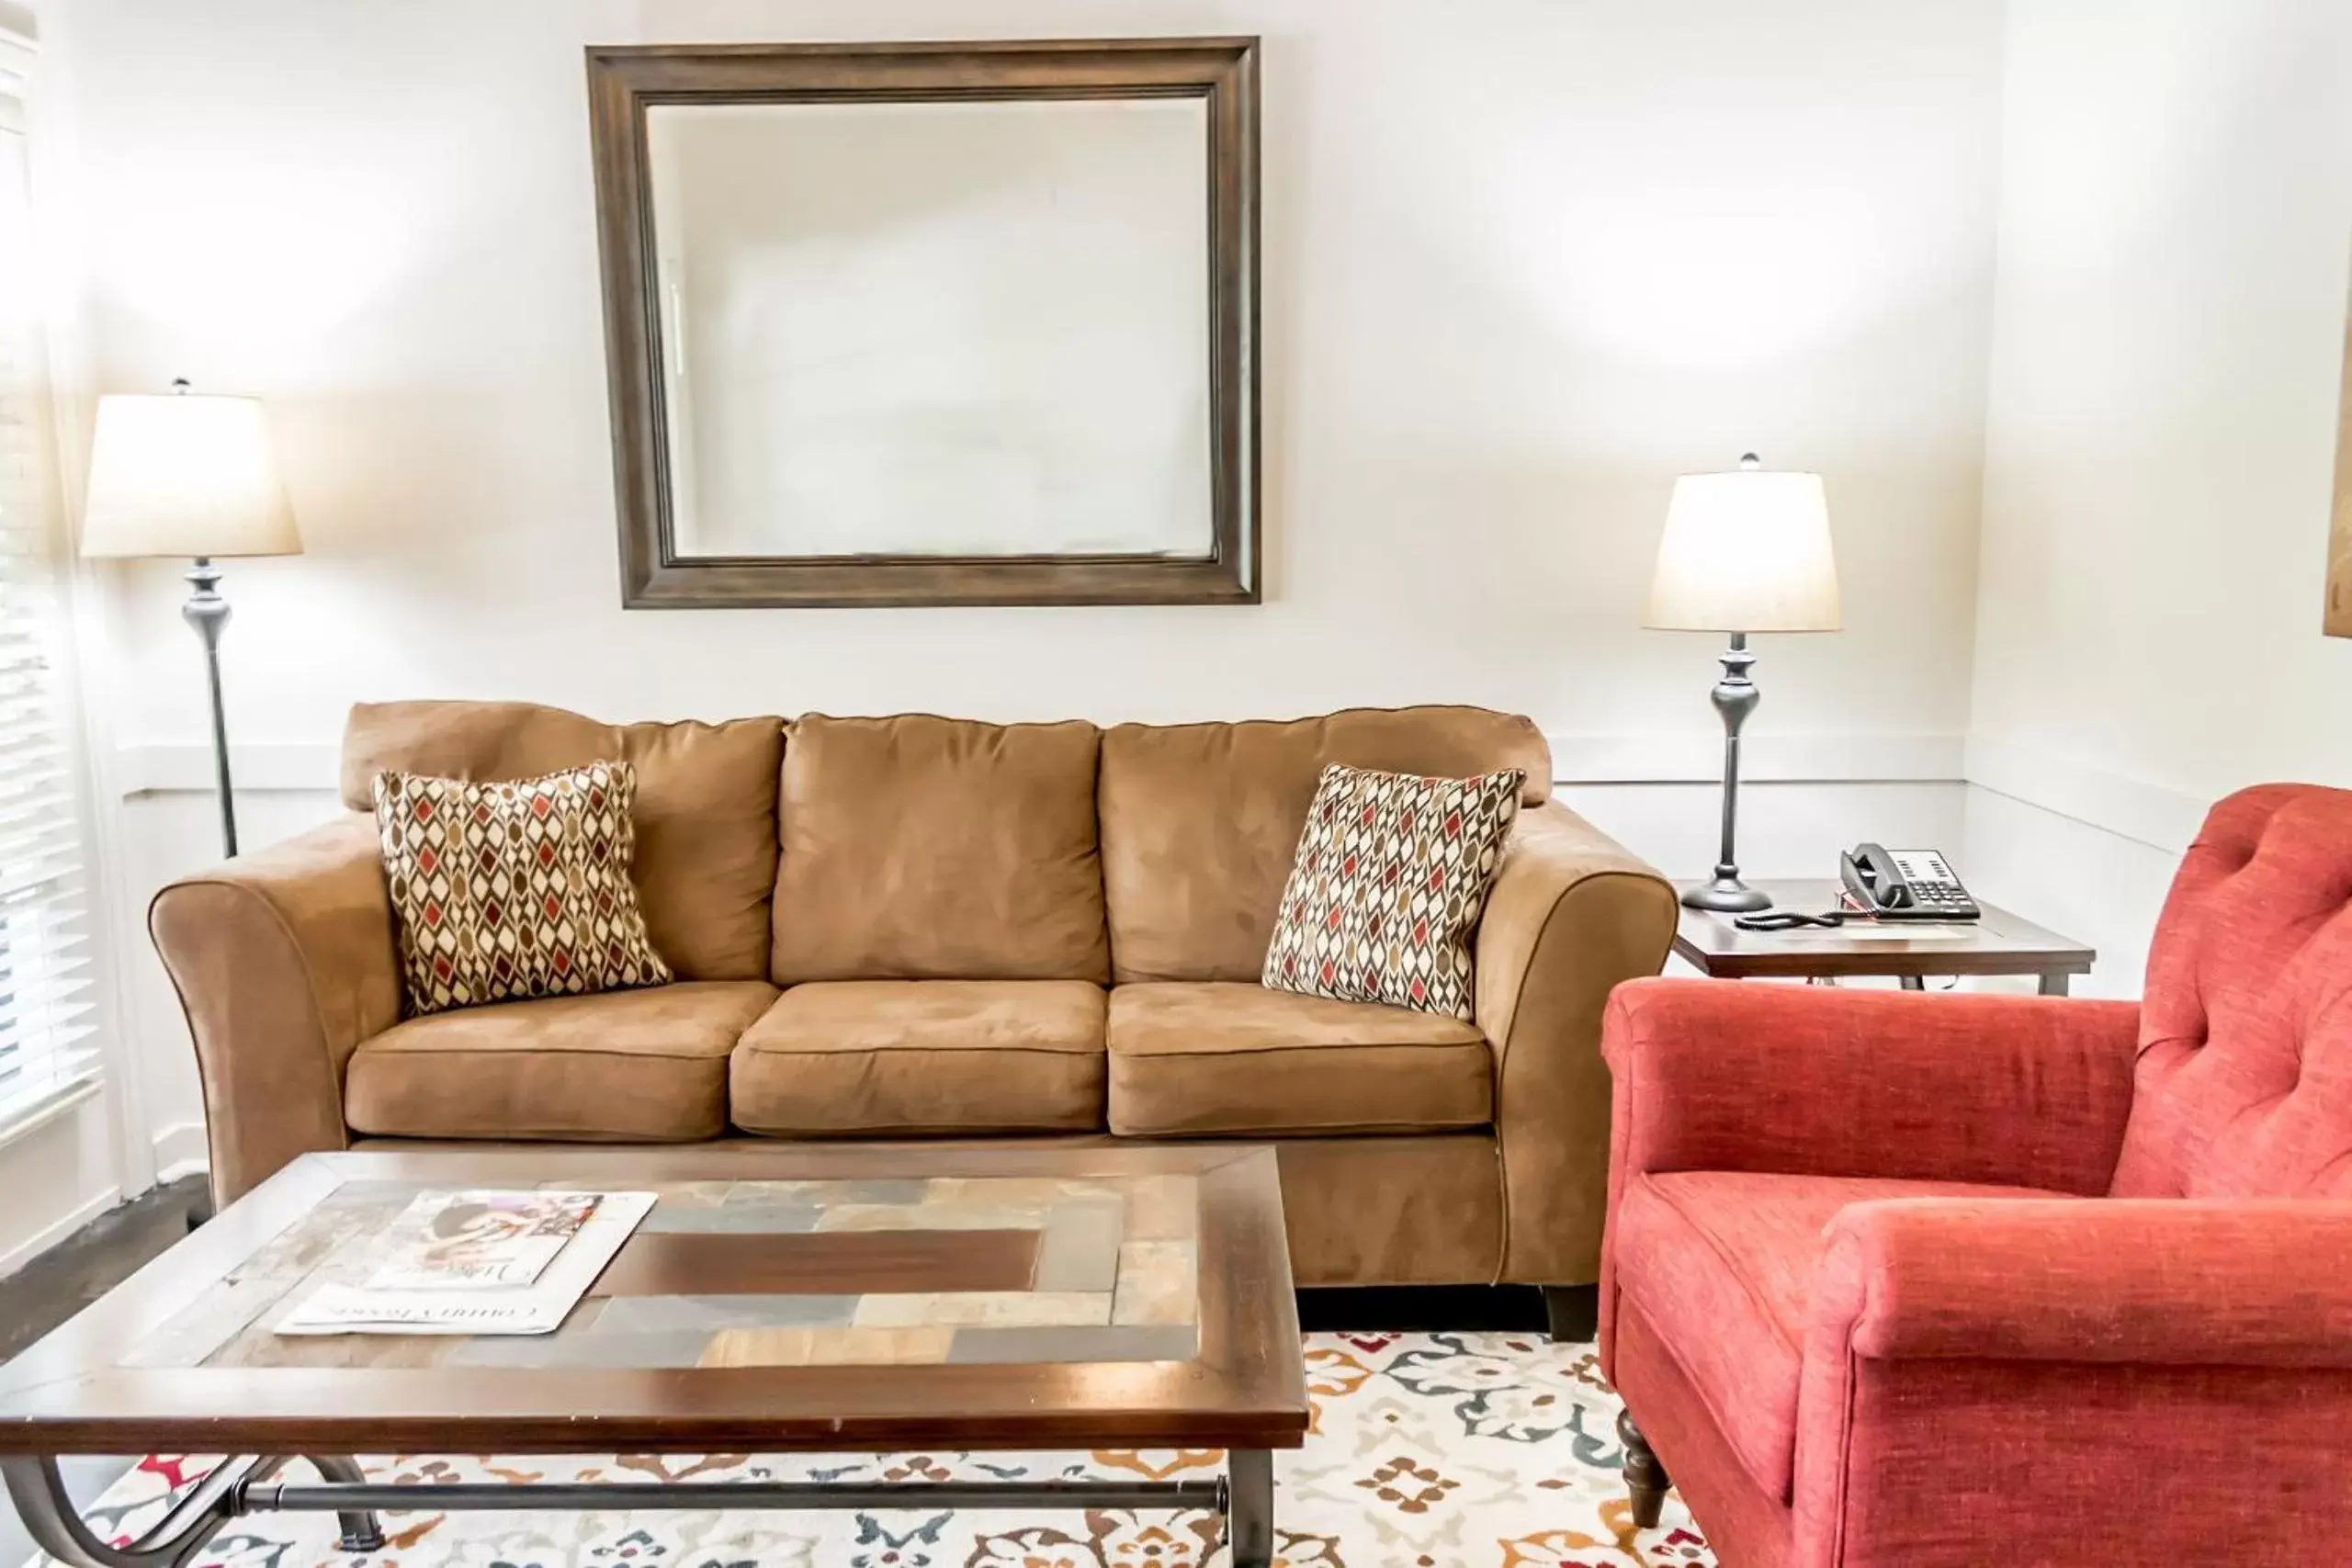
[1746, 551]
[180, 474]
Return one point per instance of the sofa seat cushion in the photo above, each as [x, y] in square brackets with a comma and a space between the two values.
[625, 1066]
[1226, 1057]
[849, 1058]
[1722, 1264]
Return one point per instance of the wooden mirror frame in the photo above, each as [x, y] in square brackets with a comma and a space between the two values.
[2336, 620]
[622, 83]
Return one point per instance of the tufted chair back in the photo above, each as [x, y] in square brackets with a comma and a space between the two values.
[2245, 1081]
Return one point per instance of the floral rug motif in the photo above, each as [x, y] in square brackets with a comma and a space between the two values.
[1426, 1450]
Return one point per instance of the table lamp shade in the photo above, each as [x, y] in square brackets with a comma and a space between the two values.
[180, 474]
[1746, 551]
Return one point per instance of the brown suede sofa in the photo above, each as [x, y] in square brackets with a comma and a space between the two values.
[916, 927]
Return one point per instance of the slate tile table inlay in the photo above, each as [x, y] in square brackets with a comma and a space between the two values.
[816, 1299]
[782, 1273]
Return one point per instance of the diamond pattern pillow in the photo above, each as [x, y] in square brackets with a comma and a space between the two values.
[513, 890]
[1391, 873]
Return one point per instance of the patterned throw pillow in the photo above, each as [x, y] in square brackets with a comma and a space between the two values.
[1391, 873]
[513, 890]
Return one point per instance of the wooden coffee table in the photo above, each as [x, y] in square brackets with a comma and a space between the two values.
[820, 1299]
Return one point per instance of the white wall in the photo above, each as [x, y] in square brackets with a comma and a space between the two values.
[1525, 261]
[2175, 244]
[55, 1177]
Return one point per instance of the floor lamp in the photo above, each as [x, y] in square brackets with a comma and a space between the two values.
[1746, 551]
[193, 476]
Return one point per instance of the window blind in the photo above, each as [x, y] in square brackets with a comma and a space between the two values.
[45, 1052]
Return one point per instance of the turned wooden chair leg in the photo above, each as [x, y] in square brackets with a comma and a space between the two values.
[1646, 1479]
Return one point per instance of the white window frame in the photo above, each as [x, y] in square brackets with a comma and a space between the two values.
[82, 1003]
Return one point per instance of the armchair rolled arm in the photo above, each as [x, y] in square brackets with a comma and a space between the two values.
[1571, 914]
[1720, 1075]
[2167, 1281]
[2063, 1372]
[284, 961]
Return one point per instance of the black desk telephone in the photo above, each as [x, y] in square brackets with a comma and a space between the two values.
[1905, 884]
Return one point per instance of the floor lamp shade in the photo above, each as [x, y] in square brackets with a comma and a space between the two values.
[1746, 551]
[180, 474]
[194, 477]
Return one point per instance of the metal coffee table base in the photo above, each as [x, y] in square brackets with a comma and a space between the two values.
[1245, 1498]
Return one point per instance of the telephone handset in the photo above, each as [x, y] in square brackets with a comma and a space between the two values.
[1903, 885]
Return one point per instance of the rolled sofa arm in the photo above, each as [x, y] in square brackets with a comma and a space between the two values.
[284, 961]
[2163, 1281]
[1572, 913]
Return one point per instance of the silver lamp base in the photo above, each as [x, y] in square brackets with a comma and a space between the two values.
[208, 612]
[1727, 895]
[1734, 698]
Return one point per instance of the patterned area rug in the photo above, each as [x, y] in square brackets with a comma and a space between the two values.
[1428, 1450]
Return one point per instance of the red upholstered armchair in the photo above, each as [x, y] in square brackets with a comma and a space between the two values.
[1907, 1281]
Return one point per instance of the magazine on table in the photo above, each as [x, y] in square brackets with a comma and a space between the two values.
[477, 1240]
[479, 1262]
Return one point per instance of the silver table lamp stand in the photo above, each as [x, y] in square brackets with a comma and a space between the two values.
[1735, 697]
[208, 612]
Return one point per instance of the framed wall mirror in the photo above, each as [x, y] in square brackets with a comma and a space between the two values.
[931, 324]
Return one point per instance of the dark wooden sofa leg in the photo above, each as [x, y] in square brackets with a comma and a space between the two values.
[1574, 1312]
[1645, 1479]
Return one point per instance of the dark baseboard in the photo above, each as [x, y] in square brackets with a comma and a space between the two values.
[1422, 1309]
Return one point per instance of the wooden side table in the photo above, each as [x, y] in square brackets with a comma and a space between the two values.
[2000, 943]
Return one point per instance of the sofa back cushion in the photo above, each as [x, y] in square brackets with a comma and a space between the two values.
[2245, 1080]
[705, 806]
[1201, 821]
[919, 848]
